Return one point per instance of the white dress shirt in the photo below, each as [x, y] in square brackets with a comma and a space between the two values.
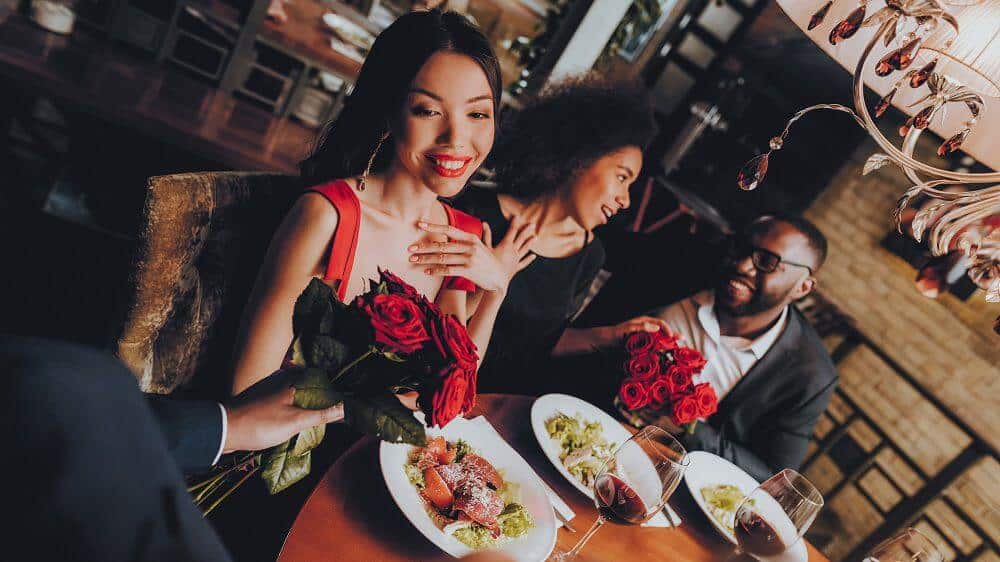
[728, 358]
[225, 429]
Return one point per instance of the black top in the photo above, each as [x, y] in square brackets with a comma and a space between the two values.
[540, 301]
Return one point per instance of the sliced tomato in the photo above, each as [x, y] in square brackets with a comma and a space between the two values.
[436, 491]
[448, 456]
[437, 446]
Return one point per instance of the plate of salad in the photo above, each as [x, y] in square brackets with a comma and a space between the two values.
[468, 490]
[576, 436]
[718, 487]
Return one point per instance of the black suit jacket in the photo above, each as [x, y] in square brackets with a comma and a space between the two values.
[766, 421]
[93, 473]
[192, 430]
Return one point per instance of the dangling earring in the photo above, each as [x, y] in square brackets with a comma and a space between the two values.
[368, 168]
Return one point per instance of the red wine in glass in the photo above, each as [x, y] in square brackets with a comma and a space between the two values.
[617, 501]
[757, 537]
[656, 460]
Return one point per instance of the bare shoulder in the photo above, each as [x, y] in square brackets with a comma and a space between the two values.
[314, 208]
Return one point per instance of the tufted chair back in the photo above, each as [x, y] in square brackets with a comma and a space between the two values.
[203, 238]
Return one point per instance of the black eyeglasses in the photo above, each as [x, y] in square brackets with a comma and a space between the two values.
[764, 260]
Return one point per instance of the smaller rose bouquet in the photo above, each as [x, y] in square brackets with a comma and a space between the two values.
[659, 382]
[388, 341]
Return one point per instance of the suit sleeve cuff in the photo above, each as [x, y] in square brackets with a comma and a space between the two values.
[225, 432]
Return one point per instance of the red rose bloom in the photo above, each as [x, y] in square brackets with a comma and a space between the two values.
[708, 402]
[689, 359]
[449, 399]
[659, 392]
[685, 410]
[633, 394]
[664, 341]
[678, 380]
[453, 342]
[396, 285]
[397, 321]
[643, 367]
[639, 343]
[472, 378]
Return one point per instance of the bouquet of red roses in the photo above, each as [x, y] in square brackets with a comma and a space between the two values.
[659, 381]
[388, 341]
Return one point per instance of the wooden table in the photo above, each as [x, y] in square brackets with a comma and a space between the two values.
[351, 516]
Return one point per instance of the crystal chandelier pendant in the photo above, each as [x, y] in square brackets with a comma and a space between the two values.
[752, 173]
[887, 64]
[818, 17]
[920, 77]
[848, 27]
[954, 143]
[883, 104]
[905, 127]
[899, 59]
[905, 55]
[922, 119]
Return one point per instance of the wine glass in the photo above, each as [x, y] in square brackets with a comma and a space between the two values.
[775, 515]
[636, 482]
[908, 546]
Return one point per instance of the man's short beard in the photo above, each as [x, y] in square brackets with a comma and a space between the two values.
[757, 304]
[749, 308]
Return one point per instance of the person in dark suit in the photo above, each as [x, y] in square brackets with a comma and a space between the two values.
[94, 468]
[767, 365]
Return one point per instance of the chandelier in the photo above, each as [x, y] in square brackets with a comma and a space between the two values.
[946, 54]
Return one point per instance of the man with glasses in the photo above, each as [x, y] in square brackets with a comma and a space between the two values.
[768, 367]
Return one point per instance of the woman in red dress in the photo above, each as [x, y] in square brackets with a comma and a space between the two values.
[421, 119]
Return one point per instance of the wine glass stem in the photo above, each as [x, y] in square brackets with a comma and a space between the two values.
[583, 540]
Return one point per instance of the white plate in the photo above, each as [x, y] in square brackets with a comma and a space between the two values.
[706, 470]
[536, 545]
[548, 406]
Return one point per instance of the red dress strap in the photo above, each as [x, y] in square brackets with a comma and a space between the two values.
[472, 225]
[341, 195]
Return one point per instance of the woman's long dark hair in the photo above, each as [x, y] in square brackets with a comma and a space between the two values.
[345, 145]
[567, 127]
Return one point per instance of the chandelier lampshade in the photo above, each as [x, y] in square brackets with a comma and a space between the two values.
[971, 56]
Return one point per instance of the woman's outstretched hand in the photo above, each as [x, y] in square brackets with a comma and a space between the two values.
[478, 260]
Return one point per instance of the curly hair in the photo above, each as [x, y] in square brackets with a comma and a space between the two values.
[566, 128]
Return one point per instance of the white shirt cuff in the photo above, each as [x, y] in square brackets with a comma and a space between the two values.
[225, 428]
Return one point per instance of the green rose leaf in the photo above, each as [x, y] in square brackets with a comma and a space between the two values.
[316, 309]
[308, 439]
[325, 352]
[313, 390]
[282, 468]
[384, 417]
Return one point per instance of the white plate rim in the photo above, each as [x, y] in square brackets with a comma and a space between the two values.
[423, 523]
[618, 434]
[697, 457]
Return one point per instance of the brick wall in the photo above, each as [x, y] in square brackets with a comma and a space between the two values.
[946, 346]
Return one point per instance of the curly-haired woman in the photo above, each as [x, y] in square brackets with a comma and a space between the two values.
[564, 164]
